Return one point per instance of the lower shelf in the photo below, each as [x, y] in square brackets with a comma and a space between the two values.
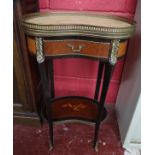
[75, 108]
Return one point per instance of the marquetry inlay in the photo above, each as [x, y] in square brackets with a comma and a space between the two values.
[77, 107]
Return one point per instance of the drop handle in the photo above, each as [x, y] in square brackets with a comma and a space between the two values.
[76, 49]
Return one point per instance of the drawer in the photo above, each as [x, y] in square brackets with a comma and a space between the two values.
[71, 47]
[79, 47]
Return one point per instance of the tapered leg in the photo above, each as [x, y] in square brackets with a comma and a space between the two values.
[45, 85]
[47, 95]
[51, 77]
[52, 94]
[50, 122]
[99, 77]
[39, 111]
[106, 81]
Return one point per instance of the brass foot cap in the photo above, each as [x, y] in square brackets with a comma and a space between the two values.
[96, 148]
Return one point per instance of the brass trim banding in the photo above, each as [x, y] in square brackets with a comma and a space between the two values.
[71, 29]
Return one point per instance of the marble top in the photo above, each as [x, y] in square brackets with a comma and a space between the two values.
[77, 19]
[78, 23]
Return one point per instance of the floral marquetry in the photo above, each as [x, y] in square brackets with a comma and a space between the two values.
[74, 107]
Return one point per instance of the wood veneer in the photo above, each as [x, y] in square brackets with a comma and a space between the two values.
[74, 108]
[94, 49]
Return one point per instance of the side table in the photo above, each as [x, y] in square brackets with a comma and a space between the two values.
[86, 35]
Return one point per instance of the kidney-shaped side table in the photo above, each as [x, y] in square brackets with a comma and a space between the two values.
[84, 35]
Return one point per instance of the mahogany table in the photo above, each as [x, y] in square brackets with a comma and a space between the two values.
[86, 35]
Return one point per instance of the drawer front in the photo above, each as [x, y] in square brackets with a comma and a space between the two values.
[78, 47]
[71, 47]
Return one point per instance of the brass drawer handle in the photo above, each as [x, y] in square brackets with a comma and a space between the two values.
[76, 50]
